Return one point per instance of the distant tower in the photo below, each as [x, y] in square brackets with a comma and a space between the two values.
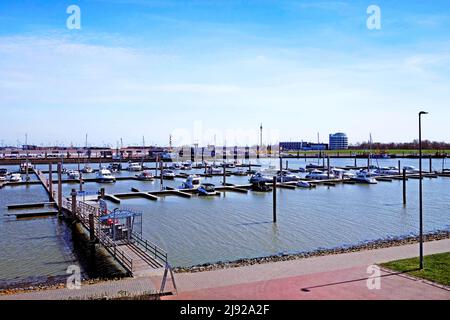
[260, 135]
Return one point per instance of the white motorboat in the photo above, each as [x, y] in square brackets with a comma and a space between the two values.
[287, 176]
[3, 174]
[187, 165]
[73, 174]
[342, 174]
[215, 170]
[145, 175]
[105, 176]
[386, 171]
[364, 176]
[26, 166]
[270, 171]
[115, 167]
[87, 169]
[312, 166]
[305, 184]
[207, 189]
[230, 163]
[240, 172]
[410, 169]
[260, 177]
[134, 166]
[192, 182]
[15, 177]
[318, 175]
[168, 174]
[174, 166]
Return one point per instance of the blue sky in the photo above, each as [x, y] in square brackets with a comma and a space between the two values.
[214, 70]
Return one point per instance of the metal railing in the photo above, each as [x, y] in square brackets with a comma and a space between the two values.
[151, 248]
[83, 210]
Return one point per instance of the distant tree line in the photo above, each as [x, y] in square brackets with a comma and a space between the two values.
[426, 144]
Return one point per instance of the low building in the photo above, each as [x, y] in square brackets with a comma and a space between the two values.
[338, 141]
[302, 146]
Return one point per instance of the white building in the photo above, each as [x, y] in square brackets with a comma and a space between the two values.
[338, 141]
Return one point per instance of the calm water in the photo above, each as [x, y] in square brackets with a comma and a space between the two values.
[232, 226]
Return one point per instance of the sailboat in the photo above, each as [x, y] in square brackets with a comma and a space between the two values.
[87, 168]
[366, 176]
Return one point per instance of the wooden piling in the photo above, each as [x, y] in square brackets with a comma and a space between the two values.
[224, 182]
[91, 228]
[355, 162]
[50, 182]
[431, 164]
[328, 166]
[161, 174]
[74, 202]
[404, 186]
[274, 186]
[102, 193]
[399, 168]
[59, 187]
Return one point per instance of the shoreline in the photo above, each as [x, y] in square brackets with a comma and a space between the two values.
[366, 246]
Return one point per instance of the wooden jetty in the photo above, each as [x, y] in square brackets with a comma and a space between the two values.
[138, 256]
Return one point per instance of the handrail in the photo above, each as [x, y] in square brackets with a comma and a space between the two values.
[154, 249]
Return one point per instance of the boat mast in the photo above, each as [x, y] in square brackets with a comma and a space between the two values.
[318, 153]
[26, 159]
[370, 153]
[143, 152]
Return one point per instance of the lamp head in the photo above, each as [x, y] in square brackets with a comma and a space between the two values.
[422, 112]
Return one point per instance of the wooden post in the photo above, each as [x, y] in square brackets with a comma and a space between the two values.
[102, 193]
[50, 181]
[431, 164]
[224, 175]
[355, 162]
[91, 228]
[399, 168]
[287, 165]
[60, 186]
[328, 166]
[74, 202]
[404, 186]
[161, 174]
[274, 199]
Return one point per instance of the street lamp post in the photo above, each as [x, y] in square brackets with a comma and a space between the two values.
[420, 190]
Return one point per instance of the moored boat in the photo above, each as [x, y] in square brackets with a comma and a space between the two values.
[364, 176]
[192, 182]
[73, 174]
[15, 177]
[168, 174]
[318, 175]
[145, 175]
[134, 166]
[305, 184]
[105, 176]
[259, 177]
[207, 189]
[87, 169]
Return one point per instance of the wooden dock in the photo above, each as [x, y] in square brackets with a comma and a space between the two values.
[138, 256]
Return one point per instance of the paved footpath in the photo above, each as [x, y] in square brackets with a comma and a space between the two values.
[340, 276]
